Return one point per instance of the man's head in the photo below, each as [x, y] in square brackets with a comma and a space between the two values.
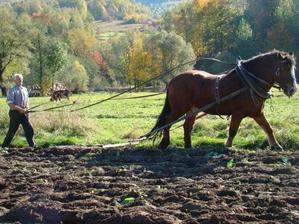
[18, 79]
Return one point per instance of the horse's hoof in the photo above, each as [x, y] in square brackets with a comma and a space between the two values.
[277, 148]
[188, 146]
[162, 146]
[228, 145]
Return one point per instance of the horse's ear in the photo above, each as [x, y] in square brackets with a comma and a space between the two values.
[281, 56]
[291, 53]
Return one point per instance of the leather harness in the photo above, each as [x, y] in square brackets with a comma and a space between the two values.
[249, 80]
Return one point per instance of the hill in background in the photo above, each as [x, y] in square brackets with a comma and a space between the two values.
[158, 7]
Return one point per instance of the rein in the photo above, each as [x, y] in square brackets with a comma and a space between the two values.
[36, 106]
[49, 109]
[139, 97]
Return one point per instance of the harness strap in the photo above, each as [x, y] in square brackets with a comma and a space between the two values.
[217, 94]
[250, 81]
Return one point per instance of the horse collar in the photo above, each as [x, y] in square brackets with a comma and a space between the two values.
[217, 93]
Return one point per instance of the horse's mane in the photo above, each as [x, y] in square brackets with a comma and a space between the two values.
[288, 56]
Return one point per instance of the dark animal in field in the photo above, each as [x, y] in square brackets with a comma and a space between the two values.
[195, 89]
[60, 94]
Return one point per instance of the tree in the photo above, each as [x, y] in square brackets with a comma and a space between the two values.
[14, 42]
[284, 15]
[115, 55]
[31, 8]
[74, 76]
[208, 25]
[117, 9]
[49, 58]
[138, 61]
[55, 58]
[200, 3]
[218, 18]
[75, 4]
[169, 50]
[81, 42]
[274, 18]
[261, 20]
[97, 9]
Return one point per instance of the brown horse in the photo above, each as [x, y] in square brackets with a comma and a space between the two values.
[195, 89]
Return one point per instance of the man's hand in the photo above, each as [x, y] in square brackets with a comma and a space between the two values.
[22, 110]
[27, 113]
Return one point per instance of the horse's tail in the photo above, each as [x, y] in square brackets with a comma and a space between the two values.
[162, 120]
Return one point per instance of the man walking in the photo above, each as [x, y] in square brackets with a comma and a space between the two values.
[17, 99]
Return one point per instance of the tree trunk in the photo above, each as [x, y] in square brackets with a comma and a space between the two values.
[3, 90]
[2, 87]
[41, 66]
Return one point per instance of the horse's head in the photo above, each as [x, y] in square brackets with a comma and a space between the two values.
[284, 72]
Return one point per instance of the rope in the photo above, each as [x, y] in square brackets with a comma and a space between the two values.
[138, 97]
[215, 60]
[51, 108]
[74, 102]
[36, 106]
[197, 117]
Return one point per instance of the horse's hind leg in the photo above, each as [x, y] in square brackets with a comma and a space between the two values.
[233, 129]
[188, 126]
[264, 124]
[165, 140]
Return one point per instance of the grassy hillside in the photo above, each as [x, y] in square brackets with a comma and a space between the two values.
[120, 120]
[107, 30]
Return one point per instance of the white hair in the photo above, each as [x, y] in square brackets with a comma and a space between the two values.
[17, 75]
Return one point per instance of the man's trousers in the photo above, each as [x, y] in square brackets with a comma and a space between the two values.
[17, 118]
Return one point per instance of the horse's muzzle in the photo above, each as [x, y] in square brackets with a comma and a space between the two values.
[291, 90]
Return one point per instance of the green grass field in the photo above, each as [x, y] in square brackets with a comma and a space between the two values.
[107, 30]
[117, 121]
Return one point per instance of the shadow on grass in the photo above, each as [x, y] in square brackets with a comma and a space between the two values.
[57, 143]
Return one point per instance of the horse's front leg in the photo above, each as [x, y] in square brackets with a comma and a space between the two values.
[264, 124]
[188, 126]
[233, 129]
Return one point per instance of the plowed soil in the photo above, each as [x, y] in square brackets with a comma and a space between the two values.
[147, 186]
